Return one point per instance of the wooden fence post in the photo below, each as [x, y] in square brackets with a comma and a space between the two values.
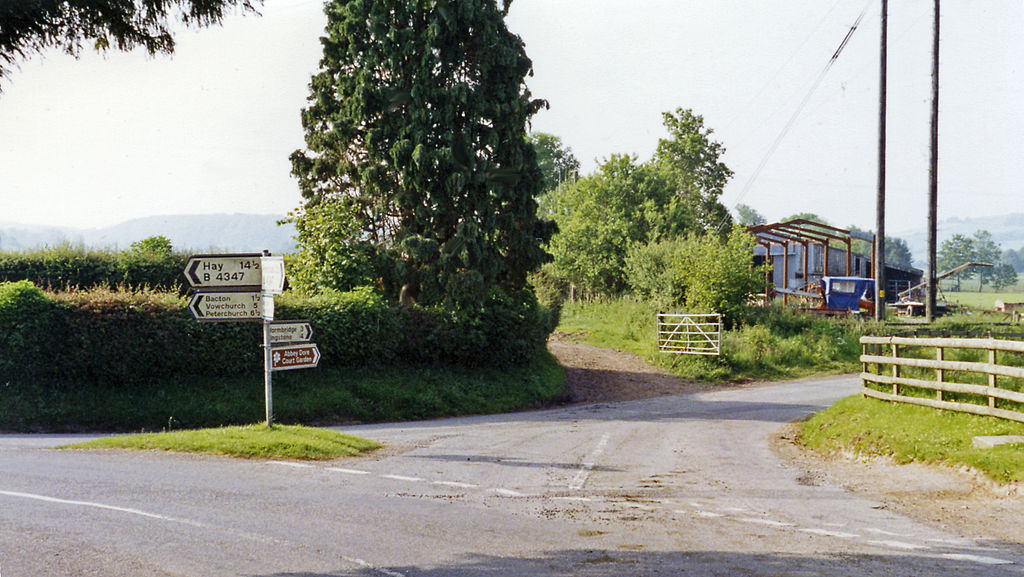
[991, 378]
[940, 374]
[895, 369]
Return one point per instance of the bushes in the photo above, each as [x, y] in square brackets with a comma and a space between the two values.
[701, 273]
[130, 338]
[67, 266]
[26, 329]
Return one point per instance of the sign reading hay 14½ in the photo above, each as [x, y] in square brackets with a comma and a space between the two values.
[224, 270]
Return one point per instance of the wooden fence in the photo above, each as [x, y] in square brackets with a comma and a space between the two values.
[948, 394]
[696, 334]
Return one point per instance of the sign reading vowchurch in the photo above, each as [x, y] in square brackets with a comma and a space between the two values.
[241, 287]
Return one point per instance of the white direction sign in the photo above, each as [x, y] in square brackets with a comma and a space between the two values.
[290, 332]
[225, 306]
[272, 274]
[289, 357]
[224, 270]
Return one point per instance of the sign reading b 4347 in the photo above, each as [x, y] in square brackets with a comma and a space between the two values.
[224, 270]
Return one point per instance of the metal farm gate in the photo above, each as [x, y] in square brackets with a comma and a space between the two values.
[697, 334]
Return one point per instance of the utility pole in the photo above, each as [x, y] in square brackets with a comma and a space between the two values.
[933, 176]
[880, 206]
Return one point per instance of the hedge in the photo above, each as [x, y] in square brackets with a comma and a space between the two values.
[69, 266]
[103, 336]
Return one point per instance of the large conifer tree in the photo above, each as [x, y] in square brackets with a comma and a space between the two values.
[417, 124]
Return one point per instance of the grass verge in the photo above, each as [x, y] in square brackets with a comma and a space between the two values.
[770, 343]
[312, 397]
[909, 433]
[250, 442]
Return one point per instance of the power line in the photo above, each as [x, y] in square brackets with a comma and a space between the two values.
[800, 108]
[771, 80]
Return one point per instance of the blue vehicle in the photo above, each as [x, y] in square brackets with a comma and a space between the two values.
[848, 293]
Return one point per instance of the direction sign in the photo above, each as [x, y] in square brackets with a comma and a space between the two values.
[289, 357]
[290, 332]
[225, 306]
[224, 270]
[273, 274]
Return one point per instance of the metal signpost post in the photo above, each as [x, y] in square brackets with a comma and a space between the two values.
[241, 287]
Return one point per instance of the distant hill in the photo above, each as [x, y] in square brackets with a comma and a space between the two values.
[187, 232]
[1007, 230]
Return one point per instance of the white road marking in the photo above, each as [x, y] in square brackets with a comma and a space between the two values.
[292, 464]
[706, 514]
[402, 478]
[509, 493]
[456, 484]
[767, 522]
[93, 505]
[977, 559]
[828, 533]
[882, 532]
[583, 499]
[588, 465]
[140, 513]
[898, 545]
[365, 565]
[348, 471]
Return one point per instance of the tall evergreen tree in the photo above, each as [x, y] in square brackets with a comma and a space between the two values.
[417, 124]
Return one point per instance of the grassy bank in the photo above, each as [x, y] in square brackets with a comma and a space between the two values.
[769, 343]
[315, 396]
[249, 442]
[909, 433]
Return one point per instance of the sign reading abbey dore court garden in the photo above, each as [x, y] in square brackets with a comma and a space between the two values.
[241, 287]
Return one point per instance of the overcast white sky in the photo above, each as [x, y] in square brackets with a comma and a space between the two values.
[100, 140]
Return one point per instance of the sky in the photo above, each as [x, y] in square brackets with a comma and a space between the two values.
[105, 138]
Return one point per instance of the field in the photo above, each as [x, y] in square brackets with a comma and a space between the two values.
[983, 300]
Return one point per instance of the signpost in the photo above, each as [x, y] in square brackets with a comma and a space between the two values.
[288, 332]
[272, 274]
[224, 270]
[225, 306]
[241, 287]
[287, 357]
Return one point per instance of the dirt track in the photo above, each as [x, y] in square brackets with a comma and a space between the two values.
[940, 495]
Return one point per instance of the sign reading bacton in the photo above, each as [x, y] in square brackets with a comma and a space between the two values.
[225, 306]
[241, 287]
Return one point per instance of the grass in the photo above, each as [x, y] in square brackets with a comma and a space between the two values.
[249, 442]
[909, 433]
[983, 300]
[312, 397]
[772, 343]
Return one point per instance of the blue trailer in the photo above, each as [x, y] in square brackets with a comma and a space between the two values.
[848, 293]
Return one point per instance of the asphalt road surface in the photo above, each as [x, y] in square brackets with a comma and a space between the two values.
[682, 485]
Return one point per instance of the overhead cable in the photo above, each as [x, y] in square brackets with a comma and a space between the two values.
[800, 108]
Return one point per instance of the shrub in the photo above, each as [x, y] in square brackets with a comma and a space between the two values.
[700, 273]
[127, 338]
[350, 328]
[26, 329]
[148, 264]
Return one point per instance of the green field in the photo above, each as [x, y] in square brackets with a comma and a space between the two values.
[983, 300]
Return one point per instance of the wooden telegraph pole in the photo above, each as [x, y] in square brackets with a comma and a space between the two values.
[880, 207]
[933, 175]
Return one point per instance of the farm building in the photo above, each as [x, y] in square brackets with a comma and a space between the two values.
[801, 252]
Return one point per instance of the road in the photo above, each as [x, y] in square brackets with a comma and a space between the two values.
[681, 485]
